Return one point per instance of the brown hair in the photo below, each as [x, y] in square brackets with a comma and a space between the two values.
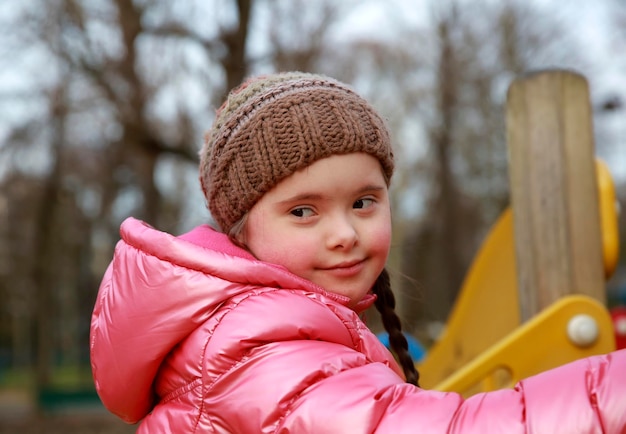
[385, 304]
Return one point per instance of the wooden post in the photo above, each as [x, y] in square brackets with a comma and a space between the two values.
[554, 192]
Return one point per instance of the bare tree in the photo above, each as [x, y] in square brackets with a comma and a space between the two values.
[474, 62]
[98, 138]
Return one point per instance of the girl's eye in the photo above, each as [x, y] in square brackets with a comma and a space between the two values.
[302, 212]
[363, 203]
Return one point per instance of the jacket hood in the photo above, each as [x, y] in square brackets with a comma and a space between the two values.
[156, 291]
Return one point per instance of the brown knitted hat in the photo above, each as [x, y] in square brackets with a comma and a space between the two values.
[272, 126]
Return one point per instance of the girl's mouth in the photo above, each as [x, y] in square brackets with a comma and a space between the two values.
[346, 269]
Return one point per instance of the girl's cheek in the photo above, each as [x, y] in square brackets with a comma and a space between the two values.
[382, 237]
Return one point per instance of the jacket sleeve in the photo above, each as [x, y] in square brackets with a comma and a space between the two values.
[586, 396]
[345, 395]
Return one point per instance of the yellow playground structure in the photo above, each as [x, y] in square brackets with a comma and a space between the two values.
[490, 341]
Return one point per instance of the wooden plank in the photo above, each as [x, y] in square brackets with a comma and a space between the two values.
[553, 187]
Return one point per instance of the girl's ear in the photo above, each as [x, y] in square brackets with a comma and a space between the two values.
[237, 233]
[240, 237]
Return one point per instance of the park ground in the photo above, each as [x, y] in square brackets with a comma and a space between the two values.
[19, 416]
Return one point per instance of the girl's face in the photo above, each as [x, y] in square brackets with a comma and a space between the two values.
[329, 223]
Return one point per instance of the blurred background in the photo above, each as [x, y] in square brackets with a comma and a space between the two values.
[103, 106]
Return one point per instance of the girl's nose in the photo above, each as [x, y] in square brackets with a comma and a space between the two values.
[341, 234]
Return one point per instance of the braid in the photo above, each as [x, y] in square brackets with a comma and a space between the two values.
[385, 304]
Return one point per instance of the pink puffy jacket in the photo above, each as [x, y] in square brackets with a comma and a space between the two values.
[193, 335]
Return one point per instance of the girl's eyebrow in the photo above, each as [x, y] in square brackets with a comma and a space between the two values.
[370, 188]
[306, 196]
[301, 198]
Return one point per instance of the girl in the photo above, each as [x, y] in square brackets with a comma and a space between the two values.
[256, 327]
